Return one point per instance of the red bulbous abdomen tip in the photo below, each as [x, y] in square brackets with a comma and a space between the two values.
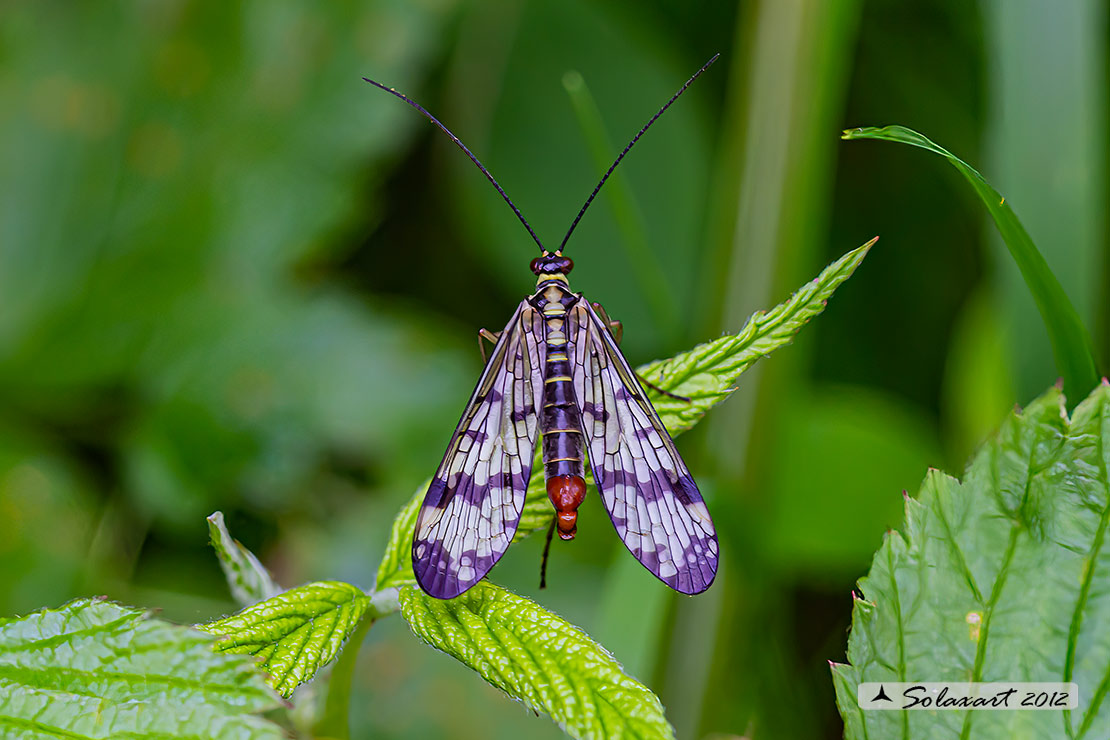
[567, 492]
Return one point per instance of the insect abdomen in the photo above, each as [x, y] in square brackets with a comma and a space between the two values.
[561, 422]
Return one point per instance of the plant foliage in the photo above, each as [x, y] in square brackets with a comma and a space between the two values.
[94, 669]
[1004, 576]
[296, 633]
[247, 578]
[1071, 344]
[396, 566]
[539, 659]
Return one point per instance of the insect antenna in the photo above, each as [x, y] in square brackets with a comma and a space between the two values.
[462, 146]
[630, 144]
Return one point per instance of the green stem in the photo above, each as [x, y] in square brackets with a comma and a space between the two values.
[334, 722]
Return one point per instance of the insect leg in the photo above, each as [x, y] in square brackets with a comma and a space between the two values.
[616, 328]
[546, 550]
[657, 389]
[489, 336]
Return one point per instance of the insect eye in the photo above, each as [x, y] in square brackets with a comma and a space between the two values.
[551, 264]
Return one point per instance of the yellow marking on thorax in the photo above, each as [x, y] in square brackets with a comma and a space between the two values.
[557, 356]
[556, 379]
[565, 431]
[557, 277]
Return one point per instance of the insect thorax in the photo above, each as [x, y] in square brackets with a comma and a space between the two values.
[552, 297]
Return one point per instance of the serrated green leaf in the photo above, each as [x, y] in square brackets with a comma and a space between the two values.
[247, 578]
[1003, 577]
[1071, 344]
[396, 566]
[539, 659]
[707, 373]
[94, 669]
[296, 633]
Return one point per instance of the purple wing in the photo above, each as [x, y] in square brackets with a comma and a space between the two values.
[646, 487]
[473, 505]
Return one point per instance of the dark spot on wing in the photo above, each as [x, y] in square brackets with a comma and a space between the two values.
[597, 411]
[475, 434]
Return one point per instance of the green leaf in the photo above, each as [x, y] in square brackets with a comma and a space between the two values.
[94, 669]
[294, 633]
[1071, 344]
[707, 373]
[396, 566]
[1002, 577]
[539, 659]
[247, 578]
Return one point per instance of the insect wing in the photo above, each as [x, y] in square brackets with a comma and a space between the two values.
[474, 502]
[646, 487]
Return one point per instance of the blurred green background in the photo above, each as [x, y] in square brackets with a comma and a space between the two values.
[234, 276]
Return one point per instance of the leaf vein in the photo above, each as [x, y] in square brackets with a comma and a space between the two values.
[1085, 590]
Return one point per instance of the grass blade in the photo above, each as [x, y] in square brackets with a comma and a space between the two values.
[1071, 344]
